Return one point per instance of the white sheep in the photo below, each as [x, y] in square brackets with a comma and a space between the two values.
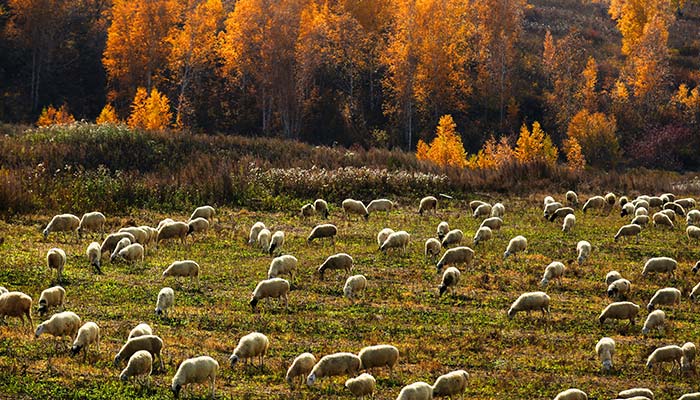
[3, 290]
[572, 394]
[657, 201]
[498, 210]
[482, 211]
[354, 287]
[605, 348]
[321, 207]
[688, 202]
[442, 229]
[450, 280]
[140, 234]
[432, 248]
[254, 232]
[689, 351]
[53, 296]
[361, 386]
[623, 200]
[397, 240]
[252, 345]
[641, 203]
[428, 203]
[610, 199]
[351, 206]
[92, 221]
[670, 214]
[88, 334]
[494, 223]
[307, 210]
[611, 277]
[693, 232]
[548, 200]
[665, 296]
[555, 270]
[416, 391]
[660, 265]
[197, 226]
[133, 253]
[60, 324]
[661, 219]
[655, 320]
[482, 234]
[595, 202]
[336, 262]
[184, 268]
[206, 212]
[276, 242]
[111, 241]
[672, 354]
[173, 230]
[693, 217]
[166, 299]
[641, 220]
[450, 384]
[151, 343]
[628, 230]
[620, 310]
[569, 222]
[456, 255]
[690, 396]
[383, 235]
[643, 211]
[619, 288]
[276, 288]
[164, 222]
[454, 236]
[636, 392]
[94, 256]
[583, 249]
[264, 239]
[195, 370]
[15, 304]
[572, 198]
[301, 367]
[676, 208]
[282, 265]
[334, 365]
[550, 208]
[696, 267]
[560, 213]
[516, 245]
[528, 302]
[380, 205]
[378, 356]
[140, 330]
[63, 223]
[140, 366]
[323, 231]
[56, 259]
[627, 209]
[120, 245]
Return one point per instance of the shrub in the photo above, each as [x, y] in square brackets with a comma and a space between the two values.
[52, 116]
[150, 112]
[447, 148]
[108, 115]
[596, 135]
[535, 146]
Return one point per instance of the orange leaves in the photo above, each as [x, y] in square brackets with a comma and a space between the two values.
[446, 149]
[595, 133]
[493, 155]
[108, 115]
[52, 116]
[574, 155]
[535, 146]
[151, 112]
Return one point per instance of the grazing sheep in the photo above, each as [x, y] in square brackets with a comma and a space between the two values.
[416, 391]
[583, 249]
[555, 270]
[122, 244]
[656, 201]
[619, 289]
[572, 394]
[474, 204]
[456, 255]
[323, 231]
[551, 208]
[321, 207]
[351, 206]
[516, 245]
[627, 209]
[442, 229]
[60, 324]
[166, 299]
[569, 222]
[94, 256]
[636, 392]
[450, 384]
[641, 220]
[689, 351]
[140, 366]
[88, 334]
[92, 221]
[173, 230]
[197, 225]
[454, 236]
[56, 259]
[54, 296]
[3, 290]
[380, 205]
[690, 396]
[354, 287]
[677, 208]
[655, 320]
[695, 293]
[482, 211]
[560, 213]
[693, 232]
[184, 268]
[482, 234]
[628, 230]
[572, 198]
[252, 345]
[361, 386]
[528, 302]
[141, 235]
[595, 202]
[382, 355]
[254, 232]
[664, 354]
[63, 223]
[336, 262]
[334, 365]
[164, 222]
[612, 276]
[619, 310]
[494, 223]
[428, 203]
[498, 210]
[282, 265]
[696, 267]
[151, 343]
[666, 296]
[383, 235]
[688, 202]
[276, 288]
[307, 210]
[133, 253]
[610, 199]
[301, 366]
[195, 370]
[661, 219]
[276, 242]
[641, 203]
[643, 211]
[605, 348]
[450, 280]
[264, 239]
[432, 248]
[623, 200]
[669, 213]
[111, 241]
[140, 330]
[548, 200]
[660, 265]
[206, 212]
[15, 304]
[693, 217]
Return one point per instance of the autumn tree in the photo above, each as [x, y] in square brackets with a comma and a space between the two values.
[108, 115]
[493, 154]
[535, 146]
[595, 133]
[587, 94]
[150, 111]
[687, 103]
[447, 148]
[574, 155]
[53, 116]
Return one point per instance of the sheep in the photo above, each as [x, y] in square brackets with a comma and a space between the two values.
[666, 197]
[282, 265]
[623, 200]
[166, 299]
[641, 203]
[88, 334]
[15, 304]
[301, 366]
[482, 234]
[383, 235]
[605, 348]
[627, 209]
[619, 288]
[456, 255]
[60, 324]
[660, 265]
[451, 384]
[351, 206]
[416, 391]
[516, 245]
[572, 394]
[380, 205]
[276, 242]
[498, 210]
[164, 222]
[572, 198]
[620, 310]
[670, 353]
[63, 223]
[555, 270]
[494, 223]
[428, 203]
[550, 208]
[690, 396]
[323, 231]
[94, 256]
[354, 286]
[643, 211]
[92, 221]
[482, 211]
[264, 239]
[140, 234]
[206, 212]
[56, 259]
[641, 220]
[334, 365]
[140, 365]
[474, 204]
[636, 392]
[151, 343]
[689, 351]
[450, 280]
[122, 244]
[594, 202]
[442, 229]
[611, 277]
[628, 230]
[453, 237]
[133, 253]
[140, 330]
[432, 248]
[254, 232]
[111, 241]
[661, 219]
[686, 203]
[361, 386]
[528, 302]
[610, 199]
[382, 355]
[548, 200]
[665, 296]
[195, 370]
[677, 208]
[173, 230]
[669, 213]
[254, 344]
[693, 217]
[656, 201]
[184, 268]
[569, 222]
[54, 296]
[321, 207]
[693, 232]
[695, 293]
[696, 267]
[583, 250]
[3, 290]
[560, 213]
[307, 210]
[335, 262]
[655, 320]
[197, 225]
[273, 288]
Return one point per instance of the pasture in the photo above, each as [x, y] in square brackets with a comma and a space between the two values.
[527, 357]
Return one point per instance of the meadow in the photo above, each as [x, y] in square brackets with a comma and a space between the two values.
[527, 357]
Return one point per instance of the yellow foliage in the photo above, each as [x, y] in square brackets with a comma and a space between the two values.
[151, 112]
[446, 149]
[108, 115]
[422, 150]
[492, 155]
[620, 93]
[574, 155]
[596, 135]
[535, 145]
[52, 116]
[588, 90]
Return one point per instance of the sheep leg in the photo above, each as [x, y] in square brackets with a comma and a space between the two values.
[213, 385]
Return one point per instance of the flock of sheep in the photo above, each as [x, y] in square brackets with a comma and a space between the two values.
[142, 347]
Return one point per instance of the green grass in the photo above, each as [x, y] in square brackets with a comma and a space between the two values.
[528, 357]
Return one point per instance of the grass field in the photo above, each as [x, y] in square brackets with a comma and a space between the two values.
[527, 357]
